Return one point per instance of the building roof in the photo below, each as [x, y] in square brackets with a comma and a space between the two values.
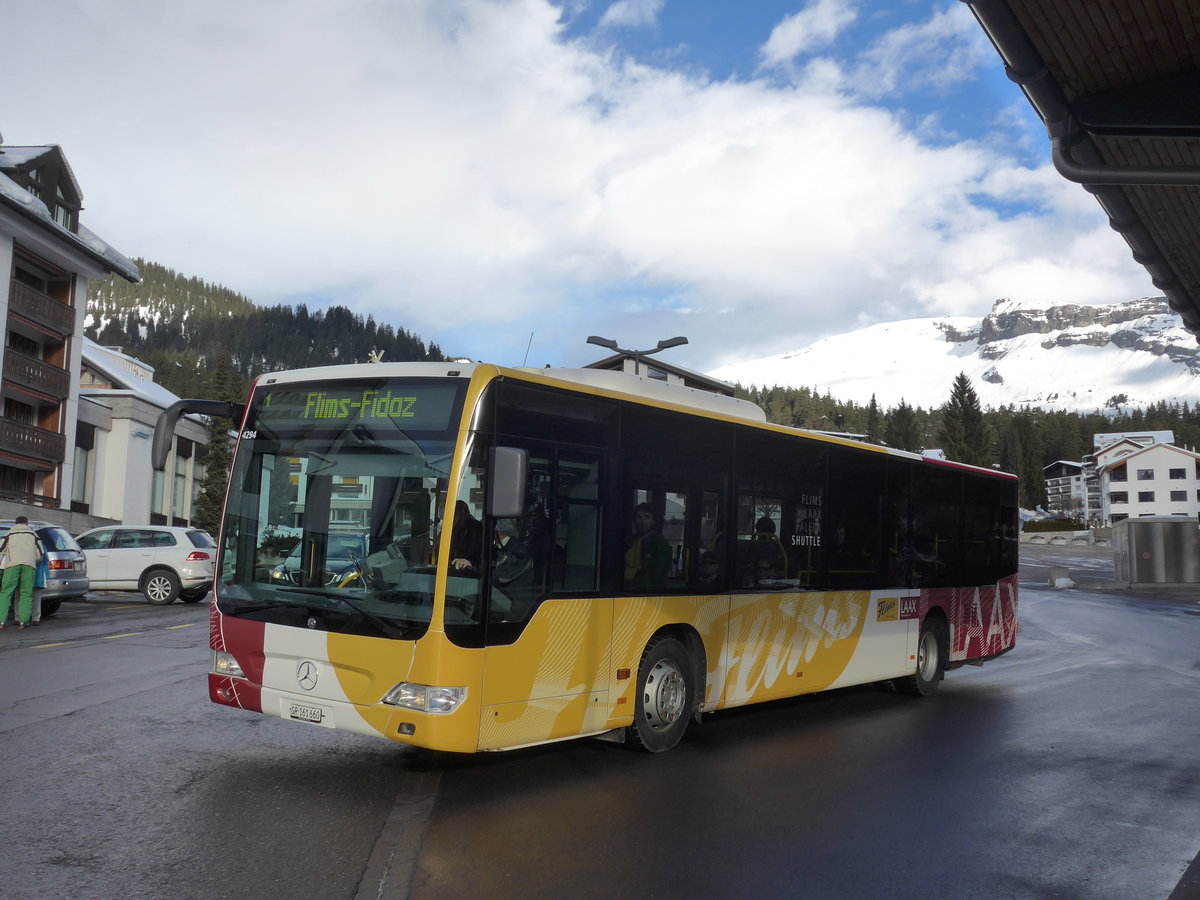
[14, 197]
[1116, 83]
[1139, 451]
[124, 373]
[1064, 462]
[692, 379]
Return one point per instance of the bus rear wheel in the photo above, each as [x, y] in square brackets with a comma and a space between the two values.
[931, 660]
[664, 698]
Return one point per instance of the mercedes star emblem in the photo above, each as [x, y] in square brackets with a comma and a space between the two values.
[306, 675]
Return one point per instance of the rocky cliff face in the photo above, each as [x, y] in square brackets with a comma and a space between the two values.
[1008, 320]
[1146, 324]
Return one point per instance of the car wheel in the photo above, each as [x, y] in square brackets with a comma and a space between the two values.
[50, 607]
[160, 587]
[193, 596]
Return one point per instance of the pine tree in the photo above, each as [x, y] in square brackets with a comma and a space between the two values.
[874, 431]
[964, 434]
[218, 455]
[902, 430]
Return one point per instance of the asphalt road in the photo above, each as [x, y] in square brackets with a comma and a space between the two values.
[1065, 769]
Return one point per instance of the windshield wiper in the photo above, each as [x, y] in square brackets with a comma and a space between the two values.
[382, 624]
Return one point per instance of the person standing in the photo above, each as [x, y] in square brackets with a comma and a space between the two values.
[24, 550]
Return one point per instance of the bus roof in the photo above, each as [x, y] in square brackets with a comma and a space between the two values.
[607, 381]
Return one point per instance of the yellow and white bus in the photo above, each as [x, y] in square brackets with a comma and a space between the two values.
[466, 557]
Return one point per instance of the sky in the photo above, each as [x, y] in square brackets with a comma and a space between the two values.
[505, 178]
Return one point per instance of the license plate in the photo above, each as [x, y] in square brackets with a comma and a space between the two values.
[306, 713]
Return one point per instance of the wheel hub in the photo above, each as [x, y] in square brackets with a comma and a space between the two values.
[666, 694]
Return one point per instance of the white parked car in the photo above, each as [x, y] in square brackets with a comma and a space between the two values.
[161, 561]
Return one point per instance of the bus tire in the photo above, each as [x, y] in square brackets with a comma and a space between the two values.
[664, 696]
[931, 660]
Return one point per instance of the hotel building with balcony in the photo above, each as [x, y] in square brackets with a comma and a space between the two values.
[49, 258]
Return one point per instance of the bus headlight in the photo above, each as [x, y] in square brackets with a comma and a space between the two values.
[425, 697]
[224, 664]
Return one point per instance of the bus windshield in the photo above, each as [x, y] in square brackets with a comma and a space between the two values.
[335, 501]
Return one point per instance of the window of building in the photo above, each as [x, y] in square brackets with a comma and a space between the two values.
[1117, 517]
[1118, 474]
[1145, 474]
[83, 475]
[24, 345]
[16, 411]
[1145, 496]
[1118, 497]
[1180, 496]
[1178, 474]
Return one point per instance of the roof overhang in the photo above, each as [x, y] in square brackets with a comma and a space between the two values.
[1116, 82]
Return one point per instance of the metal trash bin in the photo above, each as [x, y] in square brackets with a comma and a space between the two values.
[1157, 550]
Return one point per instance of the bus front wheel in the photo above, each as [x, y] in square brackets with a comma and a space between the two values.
[664, 699]
[931, 660]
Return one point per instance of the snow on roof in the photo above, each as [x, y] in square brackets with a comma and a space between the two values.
[20, 199]
[123, 371]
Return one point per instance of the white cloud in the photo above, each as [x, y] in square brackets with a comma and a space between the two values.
[631, 14]
[935, 55]
[814, 26]
[464, 170]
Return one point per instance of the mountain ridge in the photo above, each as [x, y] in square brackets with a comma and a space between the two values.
[1066, 357]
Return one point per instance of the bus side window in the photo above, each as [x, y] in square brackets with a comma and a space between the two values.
[522, 549]
[577, 530]
[851, 545]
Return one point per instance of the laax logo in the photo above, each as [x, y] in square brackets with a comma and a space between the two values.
[306, 675]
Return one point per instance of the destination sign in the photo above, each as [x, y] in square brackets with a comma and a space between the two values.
[393, 403]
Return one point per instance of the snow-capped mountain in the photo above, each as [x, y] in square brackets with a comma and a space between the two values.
[1061, 357]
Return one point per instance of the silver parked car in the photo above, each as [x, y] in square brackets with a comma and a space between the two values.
[161, 561]
[68, 566]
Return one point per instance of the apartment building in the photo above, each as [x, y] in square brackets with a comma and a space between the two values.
[50, 258]
[1147, 479]
[1070, 491]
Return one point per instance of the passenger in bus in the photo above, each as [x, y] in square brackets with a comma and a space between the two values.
[710, 569]
[466, 540]
[648, 556]
[764, 549]
[766, 571]
[845, 555]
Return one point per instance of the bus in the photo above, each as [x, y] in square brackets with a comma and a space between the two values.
[467, 557]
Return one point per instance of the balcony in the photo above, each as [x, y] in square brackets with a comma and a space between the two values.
[37, 375]
[41, 308]
[33, 443]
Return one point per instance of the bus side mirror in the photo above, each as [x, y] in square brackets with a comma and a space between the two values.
[506, 482]
[164, 429]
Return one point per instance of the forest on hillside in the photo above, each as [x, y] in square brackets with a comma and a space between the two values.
[187, 329]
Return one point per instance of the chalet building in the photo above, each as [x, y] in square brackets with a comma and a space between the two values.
[50, 258]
